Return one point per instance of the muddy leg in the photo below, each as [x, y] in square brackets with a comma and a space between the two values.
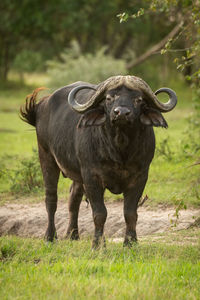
[76, 193]
[131, 199]
[95, 192]
[51, 173]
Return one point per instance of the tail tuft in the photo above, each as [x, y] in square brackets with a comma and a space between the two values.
[28, 111]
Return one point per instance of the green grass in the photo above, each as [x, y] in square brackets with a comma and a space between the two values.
[32, 269]
[170, 180]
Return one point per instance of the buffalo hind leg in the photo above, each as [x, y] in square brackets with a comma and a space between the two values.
[94, 193]
[76, 194]
[131, 198]
[50, 173]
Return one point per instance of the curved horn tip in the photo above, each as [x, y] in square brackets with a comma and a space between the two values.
[81, 108]
[166, 107]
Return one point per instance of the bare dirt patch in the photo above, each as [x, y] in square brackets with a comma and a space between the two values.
[31, 220]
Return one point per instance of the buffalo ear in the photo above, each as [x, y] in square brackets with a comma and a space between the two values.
[93, 117]
[153, 117]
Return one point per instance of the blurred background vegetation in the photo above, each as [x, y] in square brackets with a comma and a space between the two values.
[54, 43]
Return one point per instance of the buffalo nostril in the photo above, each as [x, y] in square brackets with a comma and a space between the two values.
[122, 111]
[116, 111]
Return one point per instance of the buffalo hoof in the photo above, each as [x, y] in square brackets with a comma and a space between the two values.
[98, 243]
[130, 241]
[50, 235]
[73, 235]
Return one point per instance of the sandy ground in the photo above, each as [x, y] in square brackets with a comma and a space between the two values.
[31, 220]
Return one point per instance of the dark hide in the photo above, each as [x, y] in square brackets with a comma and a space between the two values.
[110, 146]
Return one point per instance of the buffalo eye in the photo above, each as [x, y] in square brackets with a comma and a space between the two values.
[109, 98]
[139, 100]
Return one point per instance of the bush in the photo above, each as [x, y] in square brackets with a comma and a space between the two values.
[163, 149]
[26, 177]
[76, 66]
[190, 144]
[28, 61]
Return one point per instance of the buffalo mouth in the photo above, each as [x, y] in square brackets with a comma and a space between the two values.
[121, 121]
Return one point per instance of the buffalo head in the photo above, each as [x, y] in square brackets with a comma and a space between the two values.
[122, 100]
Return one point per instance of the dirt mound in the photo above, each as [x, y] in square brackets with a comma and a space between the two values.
[31, 220]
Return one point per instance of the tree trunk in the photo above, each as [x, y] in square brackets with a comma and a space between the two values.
[119, 51]
[4, 64]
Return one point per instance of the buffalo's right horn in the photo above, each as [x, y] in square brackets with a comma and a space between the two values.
[111, 83]
[74, 104]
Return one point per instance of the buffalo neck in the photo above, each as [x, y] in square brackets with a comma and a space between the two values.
[122, 141]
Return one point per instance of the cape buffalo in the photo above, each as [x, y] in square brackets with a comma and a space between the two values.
[100, 136]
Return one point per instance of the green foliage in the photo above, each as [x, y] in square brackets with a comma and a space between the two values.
[125, 16]
[76, 66]
[190, 143]
[49, 27]
[26, 177]
[186, 13]
[188, 62]
[22, 26]
[163, 149]
[28, 61]
[179, 206]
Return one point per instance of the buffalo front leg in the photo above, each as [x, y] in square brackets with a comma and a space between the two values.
[50, 173]
[94, 193]
[131, 198]
[76, 193]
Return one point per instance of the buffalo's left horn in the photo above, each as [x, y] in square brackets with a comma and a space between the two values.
[77, 106]
[165, 107]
